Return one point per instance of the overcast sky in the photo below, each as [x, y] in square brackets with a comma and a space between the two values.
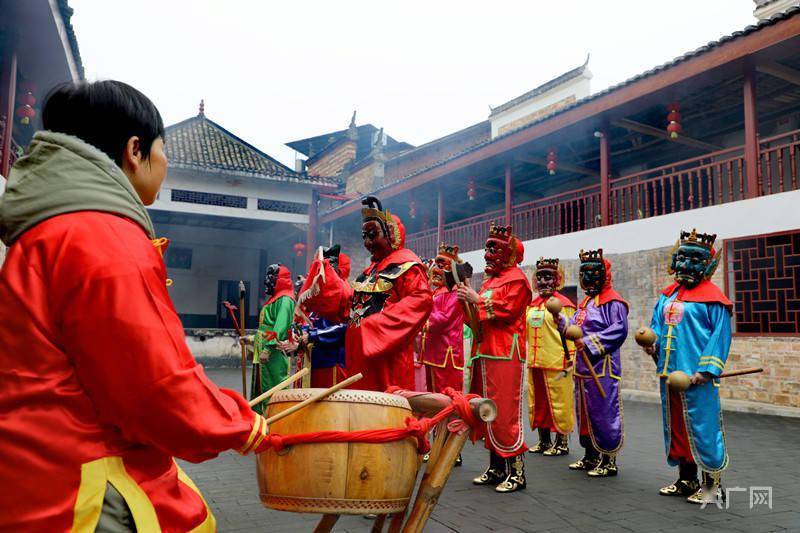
[276, 71]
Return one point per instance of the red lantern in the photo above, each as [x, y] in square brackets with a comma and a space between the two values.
[26, 99]
[674, 127]
[472, 192]
[552, 161]
[25, 113]
[412, 209]
[299, 249]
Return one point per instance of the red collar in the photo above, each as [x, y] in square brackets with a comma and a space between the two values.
[607, 295]
[397, 257]
[506, 276]
[564, 300]
[704, 292]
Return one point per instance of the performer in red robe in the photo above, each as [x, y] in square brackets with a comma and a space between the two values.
[443, 336]
[498, 368]
[99, 389]
[387, 305]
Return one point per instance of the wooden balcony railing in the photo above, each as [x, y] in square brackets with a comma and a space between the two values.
[711, 179]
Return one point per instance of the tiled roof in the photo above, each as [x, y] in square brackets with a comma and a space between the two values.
[66, 15]
[201, 144]
[541, 89]
[789, 13]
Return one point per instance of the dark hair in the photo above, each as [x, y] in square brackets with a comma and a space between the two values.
[104, 114]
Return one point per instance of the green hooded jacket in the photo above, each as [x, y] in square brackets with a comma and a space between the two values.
[62, 174]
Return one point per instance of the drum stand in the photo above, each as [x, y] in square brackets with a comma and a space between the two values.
[444, 451]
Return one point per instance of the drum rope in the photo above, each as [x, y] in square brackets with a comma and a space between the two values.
[415, 428]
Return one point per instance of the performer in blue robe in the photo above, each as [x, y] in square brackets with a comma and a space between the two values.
[692, 322]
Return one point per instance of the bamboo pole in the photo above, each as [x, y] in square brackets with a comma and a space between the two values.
[317, 397]
[280, 386]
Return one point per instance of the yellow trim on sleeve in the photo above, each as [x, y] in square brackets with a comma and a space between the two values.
[256, 424]
[712, 363]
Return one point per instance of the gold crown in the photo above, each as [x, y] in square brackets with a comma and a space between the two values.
[547, 264]
[503, 233]
[373, 210]
[591, 255]
[706, 240]
[449, 251]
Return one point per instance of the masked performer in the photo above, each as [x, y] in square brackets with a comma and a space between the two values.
[324, 339]
[692, 321]
[443, 340]
[270, 364]
[498, 369]
[603, 318]
[550, 386]
[386, 306]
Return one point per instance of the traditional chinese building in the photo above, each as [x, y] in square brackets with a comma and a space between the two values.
[38, 50]
[709, 140]
[229, 210]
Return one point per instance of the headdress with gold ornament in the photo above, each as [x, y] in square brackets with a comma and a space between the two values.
[591, 256]
[704, 240]
[505, 234]
[373, 210]
[450, 252]
[554, 265]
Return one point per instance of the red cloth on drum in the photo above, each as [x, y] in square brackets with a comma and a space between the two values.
[679, 439]
[502, 381]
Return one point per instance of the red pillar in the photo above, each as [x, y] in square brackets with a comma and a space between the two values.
[751, 155]
[311, 235]
[440, 217]
[508, 194]
[8, 94]
[605, 171]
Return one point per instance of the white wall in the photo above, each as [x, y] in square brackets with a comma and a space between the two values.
[767, 214]
[578, 87]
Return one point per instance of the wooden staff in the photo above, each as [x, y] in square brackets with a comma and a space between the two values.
[317, 397]
[280, 386]
[741, 372]
[242, 292]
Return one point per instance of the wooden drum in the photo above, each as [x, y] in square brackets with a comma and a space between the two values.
[339, 478]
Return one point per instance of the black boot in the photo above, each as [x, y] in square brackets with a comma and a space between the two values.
[495, 473]
[591, 457]
[561, 446]
[710, 490]
[544, 441]
[687, 483]
[607, 466]
[516, 475]
[459, 461]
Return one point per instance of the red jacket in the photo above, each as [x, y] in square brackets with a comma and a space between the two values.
[98, 385]
[501, 309]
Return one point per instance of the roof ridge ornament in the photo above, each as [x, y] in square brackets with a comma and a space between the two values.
[202, 108]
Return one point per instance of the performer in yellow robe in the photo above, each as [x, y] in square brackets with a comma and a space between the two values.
[549, 361]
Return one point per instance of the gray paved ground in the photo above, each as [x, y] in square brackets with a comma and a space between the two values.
[765, 451]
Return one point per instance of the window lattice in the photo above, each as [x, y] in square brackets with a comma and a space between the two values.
[282, 207]
[209, 198]
[764, 281]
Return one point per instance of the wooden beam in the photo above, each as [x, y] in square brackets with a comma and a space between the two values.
[439, 215]
[605, 174]
[541, 161]
[751, 162]
[8, 94]
[723, 54]
[662, 134]
[780, 71]
[508, 194]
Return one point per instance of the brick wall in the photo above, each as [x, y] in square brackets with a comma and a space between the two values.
[639, 277]
[332, 163]
[362, 181]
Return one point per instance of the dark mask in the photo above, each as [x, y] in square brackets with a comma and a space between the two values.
[546, 282]
[271, 278]
[497, 255]
[592, 277]
[375, 240]
[690, 263]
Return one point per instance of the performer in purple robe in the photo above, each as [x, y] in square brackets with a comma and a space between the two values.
[603, 318]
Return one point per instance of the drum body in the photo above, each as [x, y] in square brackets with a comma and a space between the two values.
[339, 478]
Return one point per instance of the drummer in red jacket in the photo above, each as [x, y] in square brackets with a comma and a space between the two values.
[100, 391]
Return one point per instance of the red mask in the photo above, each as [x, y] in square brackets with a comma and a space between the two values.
[497, 254]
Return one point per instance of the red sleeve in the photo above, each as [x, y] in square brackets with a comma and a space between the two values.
[504, 303]
[329, 298]
[120, 330]
[402, 317]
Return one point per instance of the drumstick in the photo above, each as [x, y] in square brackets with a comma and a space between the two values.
[742, 372]
[317, 397]
[280, 386]
[593, 373]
